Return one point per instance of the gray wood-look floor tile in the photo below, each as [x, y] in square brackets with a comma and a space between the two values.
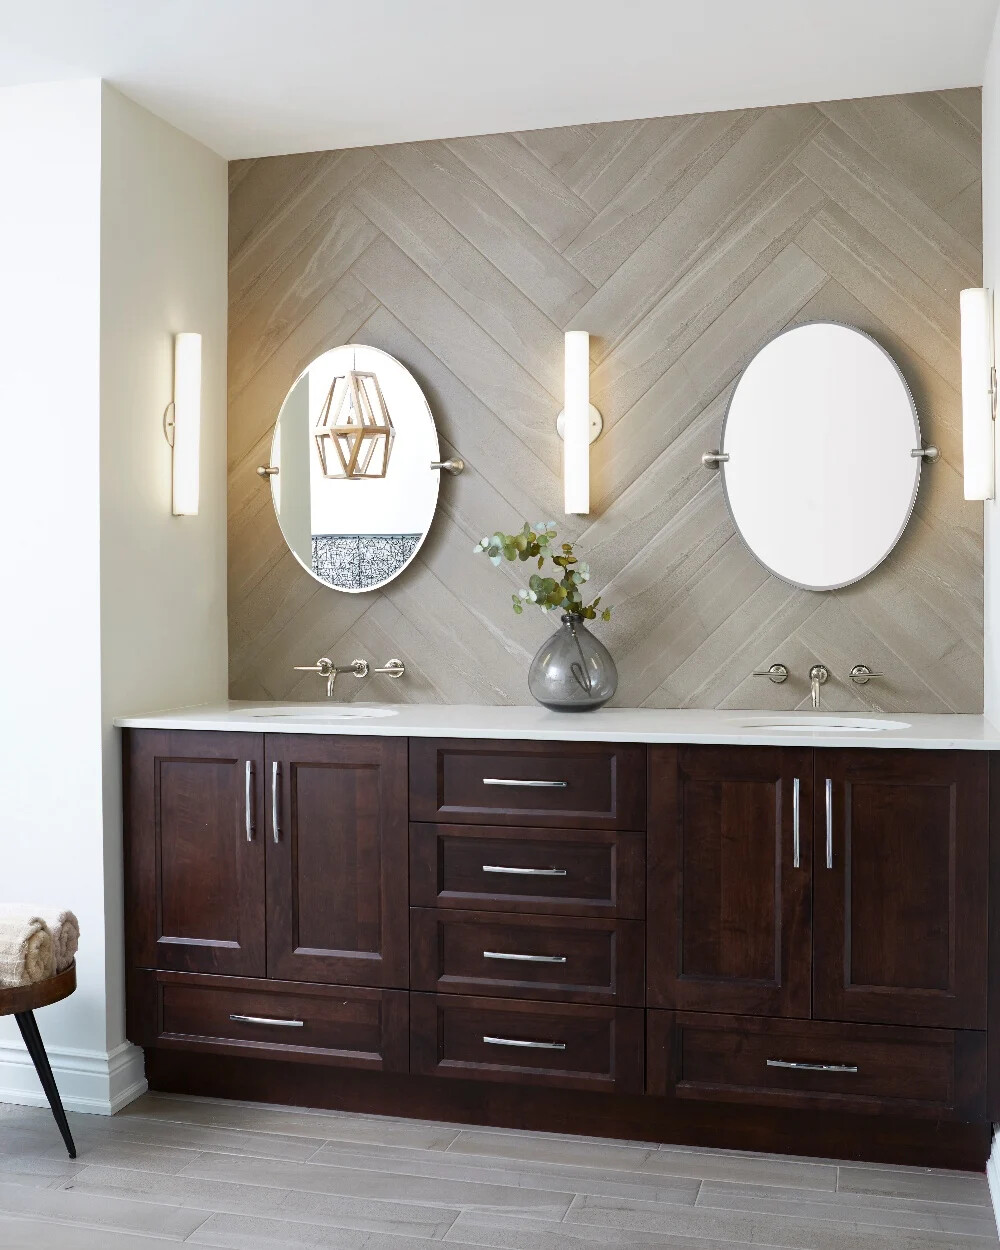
[915, 1213]
[756, 1228]
[226, 1174]
[28, 1234]
[97, 1211]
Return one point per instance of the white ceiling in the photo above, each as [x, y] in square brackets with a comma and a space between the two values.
[259, 77]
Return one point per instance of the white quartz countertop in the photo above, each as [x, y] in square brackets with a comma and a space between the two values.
[792, 728]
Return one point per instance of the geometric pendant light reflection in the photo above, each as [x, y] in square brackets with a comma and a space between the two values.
[354, 433]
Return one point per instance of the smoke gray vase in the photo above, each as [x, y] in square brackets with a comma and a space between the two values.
[572, 671]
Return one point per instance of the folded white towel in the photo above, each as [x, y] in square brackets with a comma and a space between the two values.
[25, 945]
[65, 930]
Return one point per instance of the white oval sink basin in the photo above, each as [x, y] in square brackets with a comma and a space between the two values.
[310, 711]
[824, 724]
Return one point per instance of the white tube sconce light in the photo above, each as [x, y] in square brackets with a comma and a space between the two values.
[182, 423]
[578, 424]
[979, 392]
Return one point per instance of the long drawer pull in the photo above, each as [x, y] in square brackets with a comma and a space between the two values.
[284, 1024]
[522, 782]
[248, 800]
[524, 872]
[796, 825]
[275, 800]
[522, 1044]
[812, 1067]
[525, 959]
[829, 822]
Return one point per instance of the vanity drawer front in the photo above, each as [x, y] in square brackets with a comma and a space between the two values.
[551, 957]
[572, 1047]
[939, 1073]
[341, 1025]
[584, 872]
[582, 785]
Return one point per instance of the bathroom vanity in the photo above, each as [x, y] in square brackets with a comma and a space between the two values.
[703, 927]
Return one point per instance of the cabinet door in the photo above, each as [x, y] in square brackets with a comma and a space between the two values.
[902, 856]
[728, 884]
[194, 851]
[337, 883]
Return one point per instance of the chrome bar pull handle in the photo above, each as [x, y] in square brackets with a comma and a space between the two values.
[798, 1066]
[525, 959]
[796, 825]
[248, 801]
[522, 1044]
[275, 800]
[284, 1024]
[524, 872]
[829, 822]
[522, 783]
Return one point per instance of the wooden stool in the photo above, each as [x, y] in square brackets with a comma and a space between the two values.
[20, 1002]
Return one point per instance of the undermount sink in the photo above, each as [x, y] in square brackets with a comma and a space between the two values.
[806, 723]
[312, 711]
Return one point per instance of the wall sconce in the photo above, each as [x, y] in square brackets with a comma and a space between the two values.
[182, 423]
[353, 425]
[578, 424]
[979, 392]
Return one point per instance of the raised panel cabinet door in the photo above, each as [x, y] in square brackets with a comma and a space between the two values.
[729, 855]
[337, 871]
[194, 851]
[900, 892]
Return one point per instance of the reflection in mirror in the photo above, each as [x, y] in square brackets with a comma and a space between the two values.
[820, 455]
[353, 444]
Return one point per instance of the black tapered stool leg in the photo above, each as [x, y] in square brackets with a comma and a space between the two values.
[36, 1049]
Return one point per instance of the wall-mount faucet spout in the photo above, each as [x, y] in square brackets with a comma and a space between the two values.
[326, 668]
[818, 676]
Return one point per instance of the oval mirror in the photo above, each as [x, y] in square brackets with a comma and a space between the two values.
[820, 476]
[354, 491]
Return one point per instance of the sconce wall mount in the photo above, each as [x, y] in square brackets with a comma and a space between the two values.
[182, 424]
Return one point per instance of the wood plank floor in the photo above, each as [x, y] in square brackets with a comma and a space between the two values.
[212, 1173]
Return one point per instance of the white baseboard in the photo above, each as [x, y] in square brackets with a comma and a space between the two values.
[993, 1175]
[89, 1081]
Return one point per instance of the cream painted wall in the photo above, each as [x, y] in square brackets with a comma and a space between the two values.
[164, 209]
[115, 239]
[991, 278]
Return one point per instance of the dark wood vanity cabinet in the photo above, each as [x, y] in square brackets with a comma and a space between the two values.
[337, 860]
[730, 879]
[734, 930]
[194, 851]
[901, 866]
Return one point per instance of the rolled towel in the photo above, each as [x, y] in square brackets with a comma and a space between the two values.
[65, 930]
[25, 945]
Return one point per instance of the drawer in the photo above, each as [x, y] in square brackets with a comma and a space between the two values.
[553, 957]
[564, 1046]
[582, 872]
[939, 1073]
[583, 785]
[341, 1025]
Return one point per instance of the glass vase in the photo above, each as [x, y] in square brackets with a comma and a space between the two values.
[572, 671]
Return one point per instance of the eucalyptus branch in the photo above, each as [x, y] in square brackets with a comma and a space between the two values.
[548, 593]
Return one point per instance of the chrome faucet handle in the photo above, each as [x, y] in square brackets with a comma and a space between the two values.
[322, 666]
[393, 668]
[861, 674]
[776, 673]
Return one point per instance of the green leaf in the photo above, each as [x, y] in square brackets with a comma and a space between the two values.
[606, 614]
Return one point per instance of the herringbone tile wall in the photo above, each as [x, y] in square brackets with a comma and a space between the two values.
[682, 244]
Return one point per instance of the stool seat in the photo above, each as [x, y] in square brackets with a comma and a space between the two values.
[17, 998]
[20, 1002]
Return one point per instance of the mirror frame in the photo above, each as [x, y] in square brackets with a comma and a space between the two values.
[823, 321]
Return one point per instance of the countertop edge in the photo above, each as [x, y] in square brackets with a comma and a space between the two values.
[963, 732]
